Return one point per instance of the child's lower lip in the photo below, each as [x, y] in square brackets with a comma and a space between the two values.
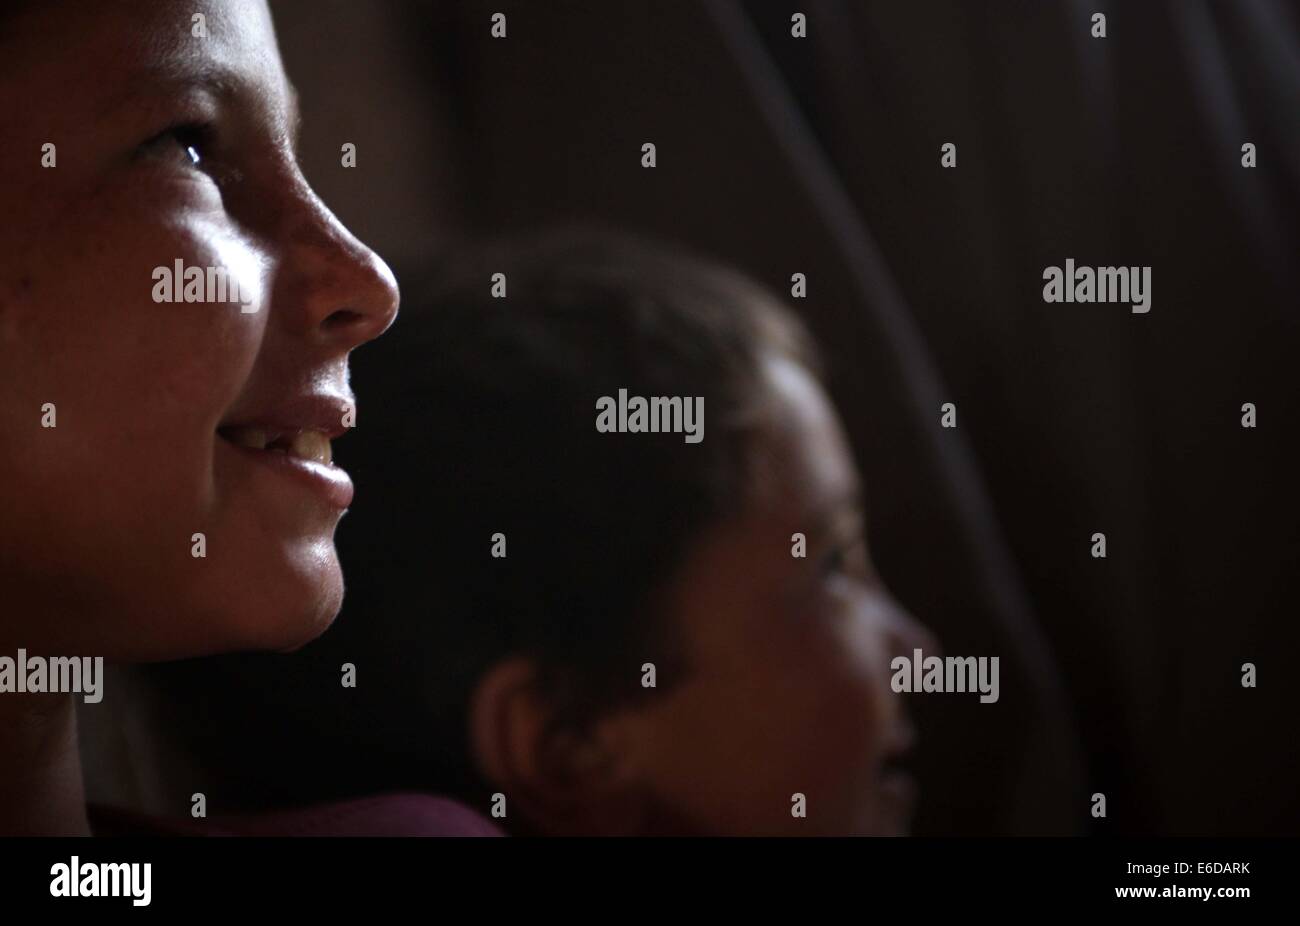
[329, 482]
[899, 787]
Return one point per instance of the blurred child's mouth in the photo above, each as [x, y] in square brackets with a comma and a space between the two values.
[895, 778]
[893, 768]
[899, 788]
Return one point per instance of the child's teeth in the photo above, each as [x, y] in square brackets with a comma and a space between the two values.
[311, 445]
[255, 438]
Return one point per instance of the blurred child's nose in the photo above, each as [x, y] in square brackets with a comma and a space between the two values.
[907, 634]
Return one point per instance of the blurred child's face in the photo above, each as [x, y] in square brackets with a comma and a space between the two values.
[169, 146]
[786, 689]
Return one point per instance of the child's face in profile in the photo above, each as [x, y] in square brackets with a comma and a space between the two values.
[168, 146]
[786, 690]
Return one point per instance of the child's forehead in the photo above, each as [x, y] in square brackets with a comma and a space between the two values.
[801, 461]
[111, 49]
[115, 72]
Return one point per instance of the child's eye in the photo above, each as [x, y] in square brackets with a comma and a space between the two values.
[847, 559]
[839, 559]
[186, 144]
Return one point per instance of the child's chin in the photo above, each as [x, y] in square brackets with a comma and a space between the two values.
[893, 821]
[287, 622]
[310, 625]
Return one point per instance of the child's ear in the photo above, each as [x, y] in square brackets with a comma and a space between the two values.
[559, 781]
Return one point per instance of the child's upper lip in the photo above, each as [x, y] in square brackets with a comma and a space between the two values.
[317, 411]
[901, 740]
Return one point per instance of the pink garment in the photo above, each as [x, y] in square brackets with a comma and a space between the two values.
[398, 814]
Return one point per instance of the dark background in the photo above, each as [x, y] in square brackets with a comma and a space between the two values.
[821, 156]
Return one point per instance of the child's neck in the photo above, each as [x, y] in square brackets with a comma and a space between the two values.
[41, 791]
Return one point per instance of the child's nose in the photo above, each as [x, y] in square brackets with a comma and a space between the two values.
[906, 633]
[333, 288]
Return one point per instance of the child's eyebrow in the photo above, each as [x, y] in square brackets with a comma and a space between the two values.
[830, 517]
[174, 79]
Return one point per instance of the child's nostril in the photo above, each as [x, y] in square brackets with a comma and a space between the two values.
[343, 318]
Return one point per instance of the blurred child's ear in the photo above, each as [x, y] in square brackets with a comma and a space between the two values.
[555, 780]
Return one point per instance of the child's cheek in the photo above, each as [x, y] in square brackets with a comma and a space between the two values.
[207, 297]
[864, 650]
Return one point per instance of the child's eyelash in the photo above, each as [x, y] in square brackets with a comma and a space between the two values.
[833, 560]
[190, 136]
[847, 558]
[198, 141]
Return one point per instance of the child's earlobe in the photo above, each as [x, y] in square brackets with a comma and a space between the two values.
[554, 779]
[506, 725]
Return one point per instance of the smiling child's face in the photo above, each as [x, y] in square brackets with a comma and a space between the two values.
[169, 146]
[787, 684]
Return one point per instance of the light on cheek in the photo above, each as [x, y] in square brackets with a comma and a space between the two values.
[868, 630]
[221, 268]
[249, 272]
